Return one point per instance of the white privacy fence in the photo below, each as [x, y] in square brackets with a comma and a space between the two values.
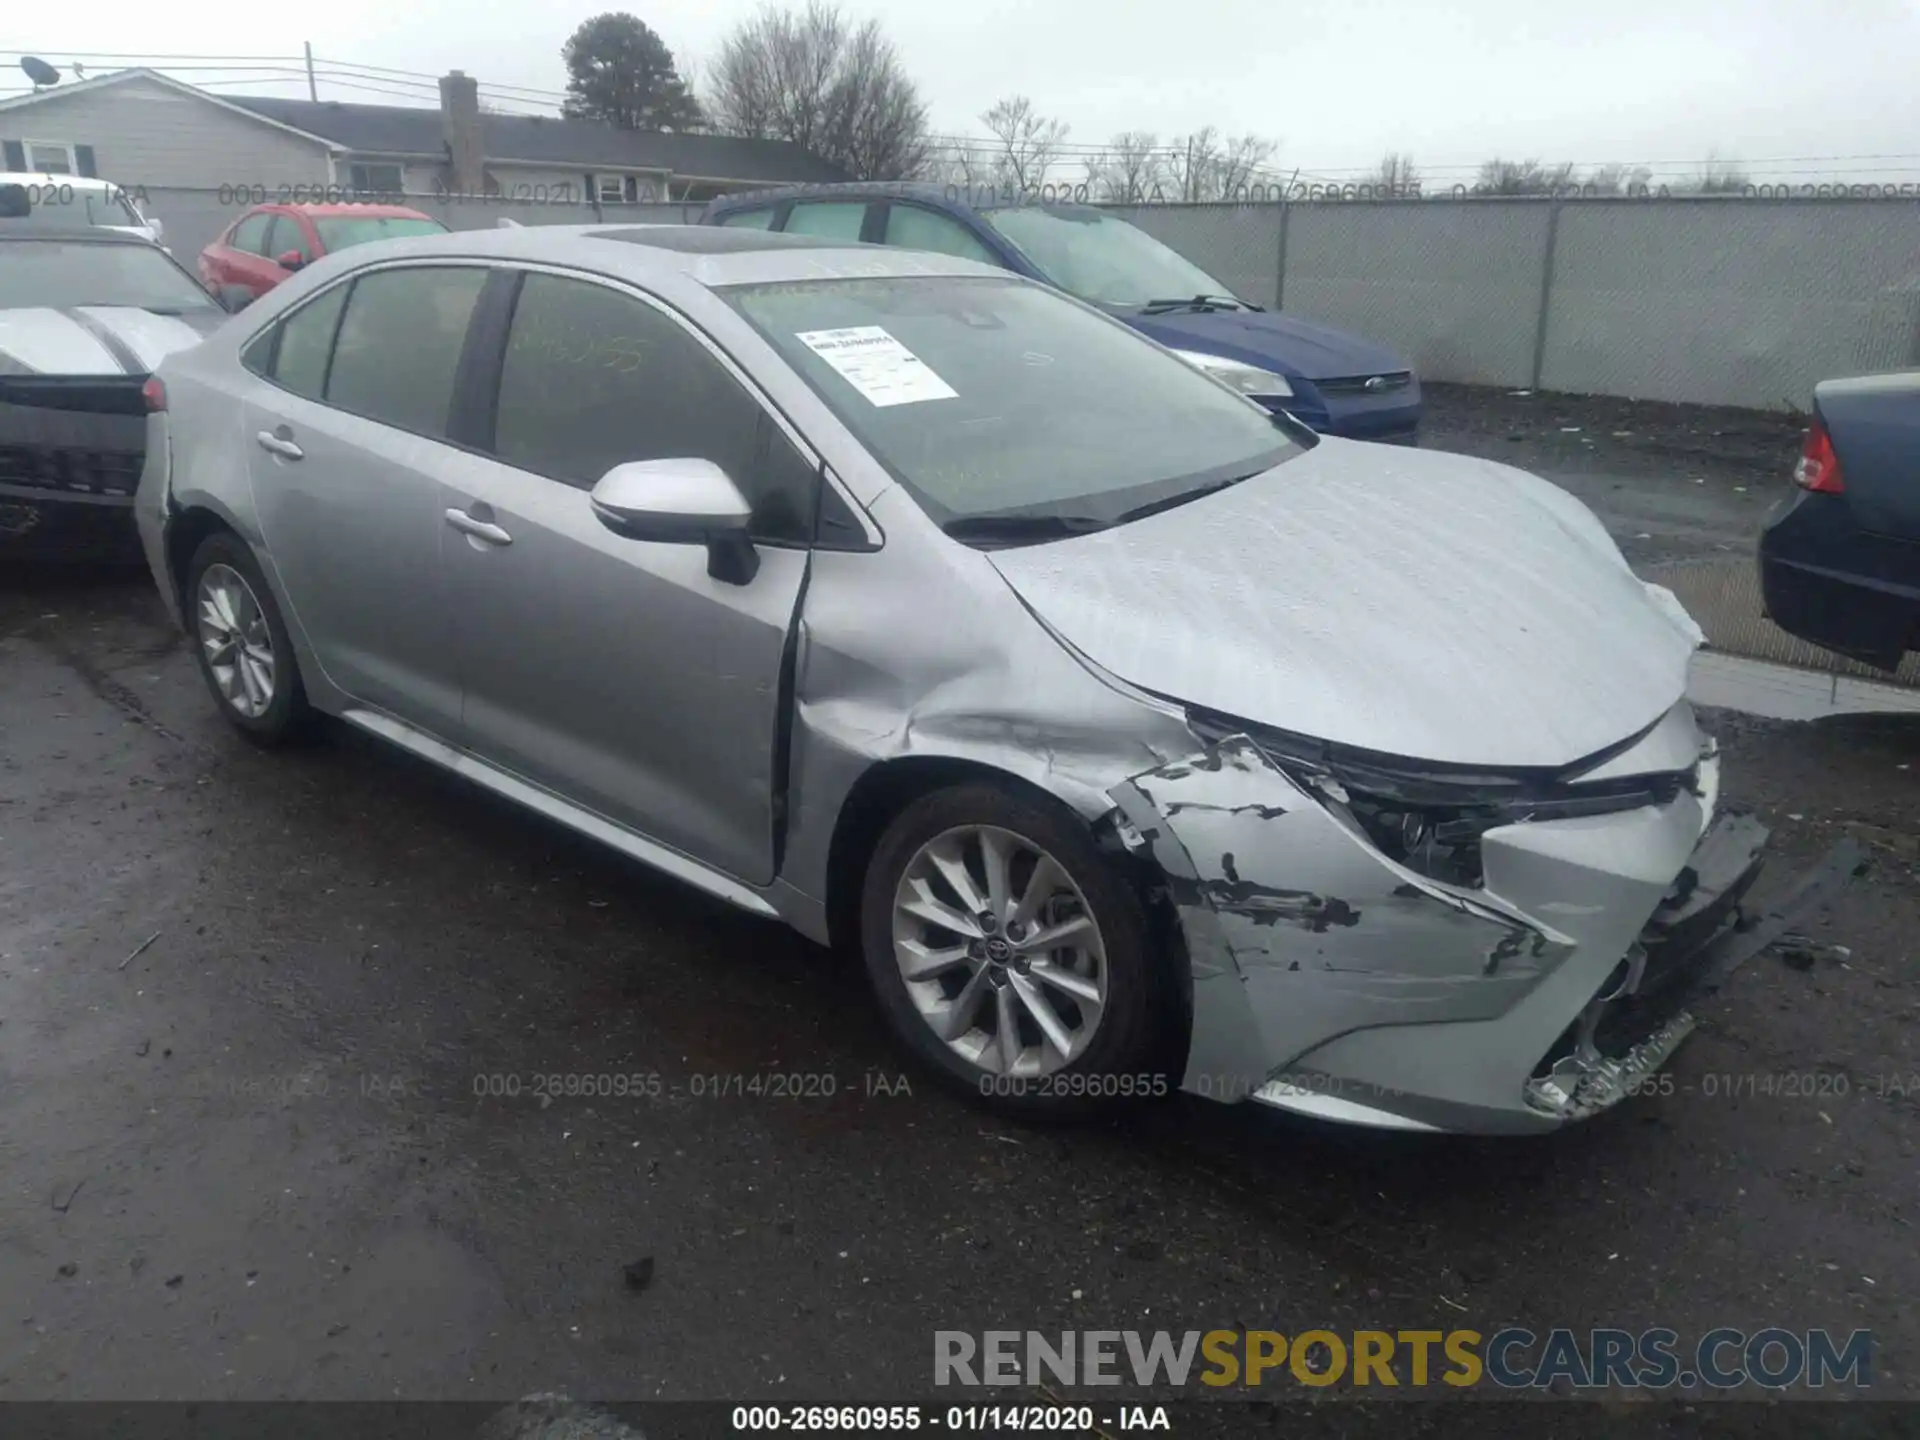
[1717, 300]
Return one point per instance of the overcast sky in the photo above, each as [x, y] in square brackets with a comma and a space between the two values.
[1450, 81]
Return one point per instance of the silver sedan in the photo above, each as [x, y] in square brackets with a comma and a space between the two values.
[1138, 739]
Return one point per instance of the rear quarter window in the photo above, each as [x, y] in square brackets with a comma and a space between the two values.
[306, 342]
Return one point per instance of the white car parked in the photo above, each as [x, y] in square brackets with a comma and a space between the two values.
[70, 201]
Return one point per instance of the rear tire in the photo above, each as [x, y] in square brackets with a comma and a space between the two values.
[245, 654]
[1010, 956]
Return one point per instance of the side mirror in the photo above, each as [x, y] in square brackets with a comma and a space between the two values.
[159, 230]
[681, 502]
[233, 298]
[289, 260]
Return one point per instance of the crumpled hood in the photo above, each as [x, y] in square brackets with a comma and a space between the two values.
[96, 339]
[1424, 605]
[1270, 339]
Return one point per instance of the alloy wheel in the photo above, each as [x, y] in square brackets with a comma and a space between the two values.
[1001, 954]
[236, 640]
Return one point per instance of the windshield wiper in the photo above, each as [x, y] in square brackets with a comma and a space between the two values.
[1168, 502]
[1017, 529]
[1196, 302]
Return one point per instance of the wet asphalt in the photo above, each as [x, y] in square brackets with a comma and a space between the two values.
[292, 1046]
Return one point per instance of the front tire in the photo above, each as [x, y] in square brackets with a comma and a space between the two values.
[245, 654]
[1010, 956]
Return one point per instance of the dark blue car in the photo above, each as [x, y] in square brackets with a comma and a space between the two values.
[1328, 379]
[1840, 555]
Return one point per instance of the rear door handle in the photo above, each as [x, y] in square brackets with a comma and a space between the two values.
[480, 529]
[279, 445]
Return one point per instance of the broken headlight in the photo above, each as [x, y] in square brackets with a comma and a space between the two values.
[1430, 817]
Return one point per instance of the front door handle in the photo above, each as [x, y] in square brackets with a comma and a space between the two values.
[479, 529]
[279, 445]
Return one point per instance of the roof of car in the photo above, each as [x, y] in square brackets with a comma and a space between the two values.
[708, 256]
[89, 234]
[355, 209]
[42, 178]
[705, 240]
[369, 211]
[873, 189]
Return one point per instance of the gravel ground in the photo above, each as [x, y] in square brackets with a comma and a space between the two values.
[257, 1158]
[1672, 482]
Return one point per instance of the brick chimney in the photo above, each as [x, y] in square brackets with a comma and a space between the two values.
[460, 124]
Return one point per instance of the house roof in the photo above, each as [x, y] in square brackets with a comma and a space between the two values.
[413, 130]
[140, 72]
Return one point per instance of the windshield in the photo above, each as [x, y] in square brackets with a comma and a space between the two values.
[61, 273]
[997, 397]
[54, 205]
[337, 232]
[1100, 258]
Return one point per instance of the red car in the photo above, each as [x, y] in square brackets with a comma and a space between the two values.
[270, 242]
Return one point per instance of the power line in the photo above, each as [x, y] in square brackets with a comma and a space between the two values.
[424, 78]
[398, 83]
[131, 58]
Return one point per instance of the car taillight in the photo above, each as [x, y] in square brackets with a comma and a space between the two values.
[1819, 467]
[154, 393]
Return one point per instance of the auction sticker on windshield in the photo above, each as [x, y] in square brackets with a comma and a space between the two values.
[877, 365]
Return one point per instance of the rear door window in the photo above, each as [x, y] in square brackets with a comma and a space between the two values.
[914, 228]
[287, 235]
[399, 345]
[251, 235]
[834, 219]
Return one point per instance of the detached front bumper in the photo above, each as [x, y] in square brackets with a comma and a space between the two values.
[1333, 981]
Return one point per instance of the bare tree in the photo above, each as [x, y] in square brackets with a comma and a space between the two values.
[1720, 177]
[835, 89]
[1207, 166]
[1192, 164]
[1027, 142]
[1395, 175]
[1239, 164]
[884, 119]
[961, 162]
[1128, 169]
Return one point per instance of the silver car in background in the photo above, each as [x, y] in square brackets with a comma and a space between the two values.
[1137, 738]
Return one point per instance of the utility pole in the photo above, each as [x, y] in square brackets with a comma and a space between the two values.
[313, 91]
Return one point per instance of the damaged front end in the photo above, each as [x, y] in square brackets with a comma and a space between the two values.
[1428, 947]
